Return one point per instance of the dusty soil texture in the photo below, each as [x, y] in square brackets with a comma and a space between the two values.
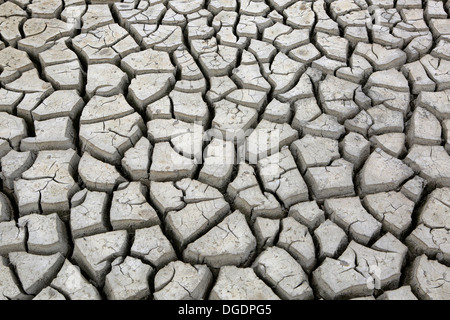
[224, 149]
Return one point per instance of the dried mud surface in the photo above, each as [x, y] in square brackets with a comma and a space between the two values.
[224, 149]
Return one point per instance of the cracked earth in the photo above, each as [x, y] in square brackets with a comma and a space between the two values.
[224, 149]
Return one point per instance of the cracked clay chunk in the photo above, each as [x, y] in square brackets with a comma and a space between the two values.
[431, 234]
[429, 279]
[352, 217]
[47, 234]
[383, 173]
[235, 283]
[151, 245]
[296, 239]
[98, 175]
[94, 254]
[224, 149]
[331, 239]
[48, 184]
[357, 272]
[277, 267]
[12, 129]
[71, 282]
[392, 209]
[431, 163]
[335, 180]
[168, 165]
[130, 209]
[35, 271]
[236, 244]
[9, 285]
[280, 175]
[88, 213]
[182, 281]
[189, 223]
[128, 280]
[12, 238]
